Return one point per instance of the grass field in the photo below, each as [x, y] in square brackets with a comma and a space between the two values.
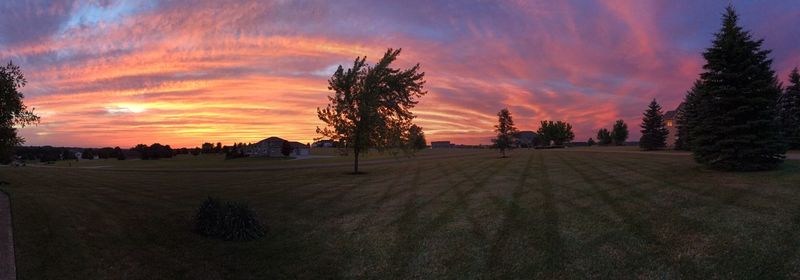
[576, 213]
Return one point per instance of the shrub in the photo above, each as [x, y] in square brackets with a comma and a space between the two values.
[209, 217]
[240, 223]
[231, 221]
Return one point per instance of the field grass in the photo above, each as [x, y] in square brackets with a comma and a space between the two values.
[538, 214]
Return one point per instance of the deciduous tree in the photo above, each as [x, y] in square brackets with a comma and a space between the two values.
[12, 110]
[371, 104]
[505, 131]
[558, 133]
[604, 137]
[619, 133]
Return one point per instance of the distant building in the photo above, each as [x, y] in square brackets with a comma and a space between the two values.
[271, 147]
[526, 139]
[441, 144]
[323, 144]
[672, 125]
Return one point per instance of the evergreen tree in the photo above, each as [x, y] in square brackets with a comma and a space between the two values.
[654, 130]
[686, 117]
[736, 127]
[790, 111]
[604, 137]
[619, 133]
[505, 131]
[590, 142]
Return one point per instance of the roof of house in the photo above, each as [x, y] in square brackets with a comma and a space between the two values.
[271, 140]
[296, 144]
[670, 115]
[526, 134]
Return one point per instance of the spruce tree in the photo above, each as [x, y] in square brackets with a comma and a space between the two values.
[505, 131]
[790, 111]
[654, 130]
[686, 117]
[736, 127]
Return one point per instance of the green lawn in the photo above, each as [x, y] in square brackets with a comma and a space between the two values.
[572, 213]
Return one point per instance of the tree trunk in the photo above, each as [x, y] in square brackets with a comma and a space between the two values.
[355, 165]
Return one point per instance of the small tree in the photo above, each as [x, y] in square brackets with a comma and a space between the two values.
[590, 142]
[505, 131]
[371, 105]
[119, 154]
[619, 133]
[87, 154]
[604, 136]
[416, 138]
[557, 132]
[654, 130]
[789, 116]
[286, 148]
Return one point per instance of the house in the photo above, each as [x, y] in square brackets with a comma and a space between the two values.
[323, 144]
[526, 139]
[271, 147]
[441, 144]
[670, 119]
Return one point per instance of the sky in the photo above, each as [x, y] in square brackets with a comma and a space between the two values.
[119, 73]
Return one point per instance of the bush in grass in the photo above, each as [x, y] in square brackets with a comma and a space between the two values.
[209, 218]
[240, 223]
[231, 221]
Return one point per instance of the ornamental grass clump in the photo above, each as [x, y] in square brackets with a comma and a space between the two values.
[229, 221]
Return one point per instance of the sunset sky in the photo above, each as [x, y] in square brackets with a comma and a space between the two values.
[118, 73]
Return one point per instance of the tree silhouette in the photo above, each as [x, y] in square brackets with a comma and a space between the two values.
[371, 104]
[619, 133]
[505, 131]
[590, 142]
[416, 138]
[736, 127]
[686, 118]
[12, 110]
[654, 130]
[790, 111]
[286, 148]
[604, 137]
[557, 132]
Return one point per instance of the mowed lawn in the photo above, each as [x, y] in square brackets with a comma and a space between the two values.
[538, 214]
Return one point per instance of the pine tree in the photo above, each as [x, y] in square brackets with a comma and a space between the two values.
[505, 131]
[686, 117]
[736, 126]
[790, 111]
[590, 142]
[619, 133]
[654, 130]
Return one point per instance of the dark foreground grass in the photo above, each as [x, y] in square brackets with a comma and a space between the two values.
[537, 214]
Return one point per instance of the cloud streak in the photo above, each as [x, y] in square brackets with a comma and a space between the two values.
[185, 72]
